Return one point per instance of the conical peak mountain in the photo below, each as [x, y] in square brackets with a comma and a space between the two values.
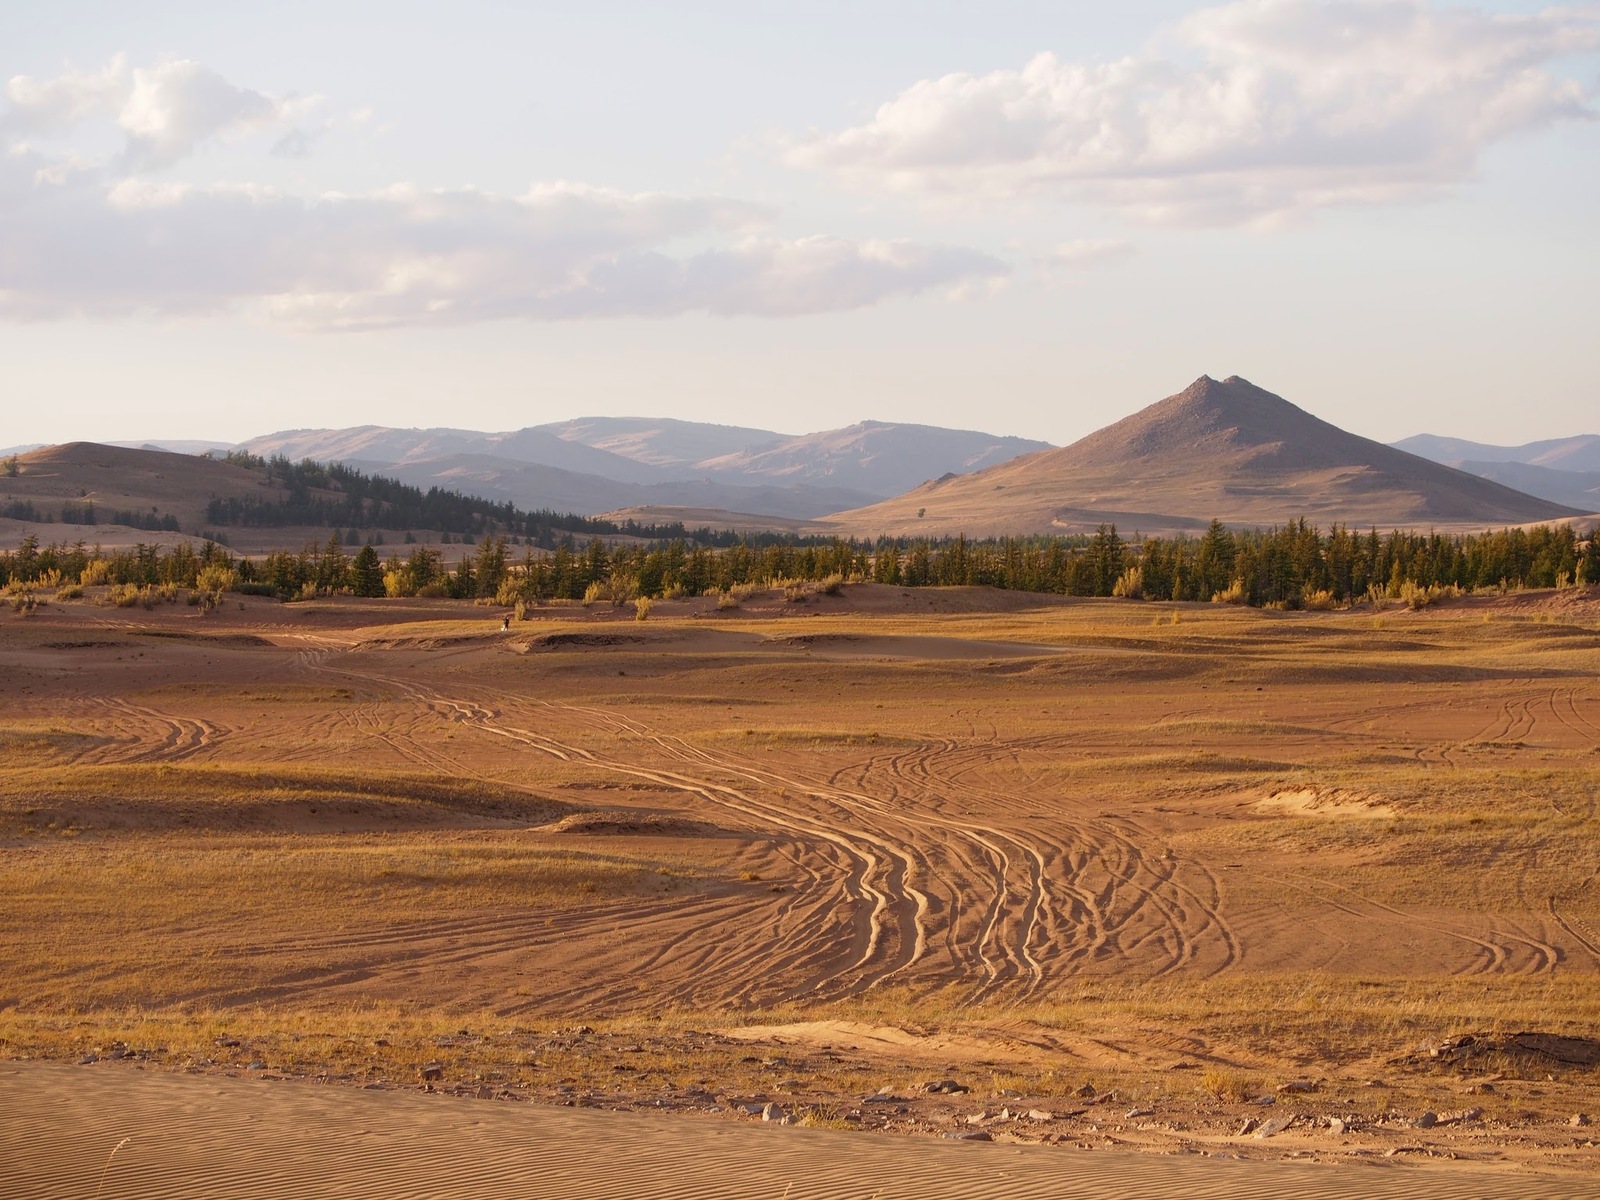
[1219, 448]
[1230, 415]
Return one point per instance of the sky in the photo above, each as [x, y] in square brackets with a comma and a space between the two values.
[1029, 218]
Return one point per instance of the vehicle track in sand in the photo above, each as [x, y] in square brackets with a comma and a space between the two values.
[872, 872]
[1035, 921]
[1099, 874]
[178, 738]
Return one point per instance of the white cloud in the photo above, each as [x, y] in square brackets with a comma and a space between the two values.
[406, 256]
[165, 112]
[1258, 109]
[107, 239]
[51, 105]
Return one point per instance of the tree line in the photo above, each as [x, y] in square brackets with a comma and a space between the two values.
[1293, 566]
[332, 494]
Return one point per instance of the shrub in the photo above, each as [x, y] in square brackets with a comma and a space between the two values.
[1416, 596]
[1130, 584]
[1234, 593]
[726, 600]
[1230, 1086]
[641, 608]
[69, 591]
[596, 593]
[95, 574]
[831, 585]
[1321, 601]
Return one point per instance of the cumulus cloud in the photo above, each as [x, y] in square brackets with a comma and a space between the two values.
[1259, 109]
[165, 112]
[109, 238]
[52, 105]
[408, 256]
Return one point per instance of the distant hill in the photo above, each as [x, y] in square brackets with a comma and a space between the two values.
[1576, 489]
[661, 441]
[872, 456]
[536, 485]
[87, 479]
[1223, 449]
[600, 463]
[1580, 453]
[117, 495]
[1564, 470]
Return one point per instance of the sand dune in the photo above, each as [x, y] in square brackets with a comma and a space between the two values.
[241, 1138]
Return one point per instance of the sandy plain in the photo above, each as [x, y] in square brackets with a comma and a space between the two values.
[1206, 882]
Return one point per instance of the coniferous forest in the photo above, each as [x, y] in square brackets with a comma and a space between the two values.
[1295, 566]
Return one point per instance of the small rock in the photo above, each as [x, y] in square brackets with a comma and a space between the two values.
[750, 1110]
[94, 1058]
[382, 1043]
[1265, 1101]
[1087, 1091]
[976, 1135]
[977, 1118]
[432, 1071]
[256, 1065]
[771, 1112]
[945, 1087]
[788, 1085]
[485, 1093]
[1457, 1118]
[1427, 1120]
[1338, 1126]
[1039, 1114]
[1250, 1125]
[1578, 1119]
[1274, 1127]
[1296, 1087]
[230, 1042]
[1135, 1113]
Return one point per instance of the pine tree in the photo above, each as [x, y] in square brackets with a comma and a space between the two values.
[367, 573]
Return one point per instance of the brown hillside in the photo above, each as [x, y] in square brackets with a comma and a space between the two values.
[1216, 449]
[114, 478]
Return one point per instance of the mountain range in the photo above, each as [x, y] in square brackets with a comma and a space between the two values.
[1224, 449]
[603, 463]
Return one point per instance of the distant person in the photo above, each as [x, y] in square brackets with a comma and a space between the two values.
[505, 624]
